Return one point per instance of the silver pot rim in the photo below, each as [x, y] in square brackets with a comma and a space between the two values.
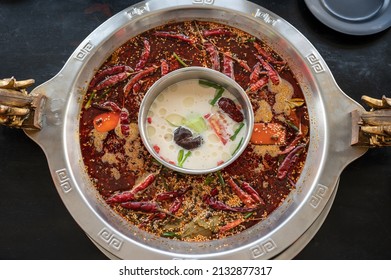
[329, 150]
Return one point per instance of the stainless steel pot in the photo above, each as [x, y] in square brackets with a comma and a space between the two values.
[329, 152]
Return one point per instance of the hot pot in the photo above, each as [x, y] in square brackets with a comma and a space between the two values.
[329, 152]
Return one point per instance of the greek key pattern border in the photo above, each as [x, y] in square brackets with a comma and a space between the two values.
[318, 195]
[111, 239]
[138, 10]
[65, 183]
[84, 51]
[316, 65]
[204, 2]
[263, 248]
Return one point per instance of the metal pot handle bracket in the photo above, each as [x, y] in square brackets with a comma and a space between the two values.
[20, 109]
[372, 128]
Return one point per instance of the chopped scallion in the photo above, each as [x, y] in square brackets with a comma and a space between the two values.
[208, 179]
[221, 179]
[292, 125]
[209, 84]
[251, 40]
[184, 158]
[180, 60]
[238, 146]
[218, 94]
[248, 215]
[180, 156]
[88, 104]
[170, 234]
[233, 137]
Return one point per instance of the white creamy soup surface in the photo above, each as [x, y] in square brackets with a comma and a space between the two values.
[187, 104]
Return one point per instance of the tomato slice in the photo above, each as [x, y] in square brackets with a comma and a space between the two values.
[106, 121]
[268, 134]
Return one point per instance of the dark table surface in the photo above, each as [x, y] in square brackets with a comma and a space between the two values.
[36, 39]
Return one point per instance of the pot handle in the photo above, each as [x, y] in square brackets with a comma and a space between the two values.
[372, 128]
[18, 108]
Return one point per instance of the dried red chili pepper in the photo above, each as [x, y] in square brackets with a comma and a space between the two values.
[112, 80]
[292, 145]
[108, 106]
[108, 72]
[143, 206]
[254, 76]
[128, 87]
[267, 56]
[244, 65]
[228, 66]
[213, 55]
[164, 67]
[271, 72]
[136, 88]
[244, 197]
[231, 225]
[240, 61]
[253, 193]
[178, 36]
[130, 195]
[144, 184]
[176, 205]
[218, 205]
[216, 32]
[121, 197]
[172, 194]
[124, 121]
[229, 107]
[288, 161]
[258, 85]
[144, 55]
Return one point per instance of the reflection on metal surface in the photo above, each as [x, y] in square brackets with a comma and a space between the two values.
[54, 114]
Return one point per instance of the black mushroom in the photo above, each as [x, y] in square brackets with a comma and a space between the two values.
[184, 137]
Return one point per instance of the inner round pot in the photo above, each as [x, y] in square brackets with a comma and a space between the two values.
[198, 73]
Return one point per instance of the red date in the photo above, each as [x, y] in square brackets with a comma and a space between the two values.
[230, 108]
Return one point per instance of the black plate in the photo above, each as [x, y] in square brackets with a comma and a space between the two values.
[354, 17]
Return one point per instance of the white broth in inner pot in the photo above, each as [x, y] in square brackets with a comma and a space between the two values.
[191, 124]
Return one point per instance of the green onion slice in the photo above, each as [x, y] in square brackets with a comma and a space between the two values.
[180, 60]
[209, 84]
[238, 146]
[183, 158]
[180, 156]
[233, 137]
[218, 94]
[221, 179]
